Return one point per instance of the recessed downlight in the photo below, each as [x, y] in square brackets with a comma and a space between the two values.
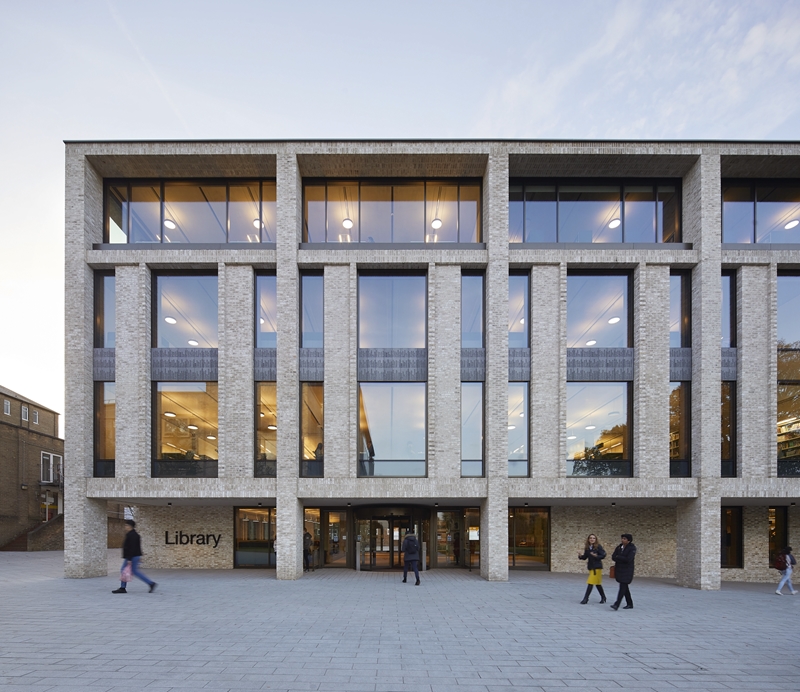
[591, 342]
[522, 415]
[522, 320]
[272, 427]
[192, 427]
[590, 427]
[614, 320]
[261, 415]
[170, 414]
[614, 413]
[170, 224]
[792, 224]
[347, 223]
[211, 437]
[193, 342]
[170, 320]
[261, 320]
[614, 223]
[512, 427]
[436, 224]
[257, 223]
[572, 437]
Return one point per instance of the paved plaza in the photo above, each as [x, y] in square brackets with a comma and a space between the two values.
[341, 630]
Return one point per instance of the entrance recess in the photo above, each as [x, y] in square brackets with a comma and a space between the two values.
[381, 539]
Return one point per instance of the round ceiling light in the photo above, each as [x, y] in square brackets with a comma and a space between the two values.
[571, 437]
[614, 223]
[261, 320]
[211, 437]
[522, 415]
[522, 320]
[789, 226]
[257, 223]
[591, 342]
[590, 427]
[170, 414]
[272, 427]
[436, 224]
[170, 320]
[170, 224]
[261, 414]
[614, 320]
[512, 427]
[347, 223]
[192, 342]
[192, 427]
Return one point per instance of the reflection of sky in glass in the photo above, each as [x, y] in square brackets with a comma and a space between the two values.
[266, 418]
[775, 208]
[393, 419]
[516, 216]
[442, 204]
[540, 214]
[788, 311]
[342, 205]
[314, 231]
[145, 210]
[471, 311]
[737, 215]
[472, 420]
[600, 406]
[267, 321]
[518, 311]
[517, 420]
[640, 215]
[109, 311]
[727, 334]
[584, 214]
[192, 302]
[311, 327]
[591, 302]
[376, 213]
[197, 211]
[408, 212]
[469, 206]
[244, 208]
[675, 311]
[391, 311]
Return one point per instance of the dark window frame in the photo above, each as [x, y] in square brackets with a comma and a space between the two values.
[732, 274]
[737, 516]
[728, 466]
[621, 183]
[682, 467]
[790, 467]
[527, 274]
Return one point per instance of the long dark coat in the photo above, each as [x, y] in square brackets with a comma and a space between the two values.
[623, 562]
[410, 548]
[594, 562]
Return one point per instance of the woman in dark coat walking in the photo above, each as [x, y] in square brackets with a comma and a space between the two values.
[623, 557]
[410, 550]
[594, 554]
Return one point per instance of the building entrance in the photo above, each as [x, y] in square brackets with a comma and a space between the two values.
[381, 541]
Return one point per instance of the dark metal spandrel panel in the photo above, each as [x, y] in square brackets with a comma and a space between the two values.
[680, 364]
[183, 364]
[104, 364]
[519, 365]
[265, 364]
[473, 364]
[312, 364]
[600, 364]
[392, 364]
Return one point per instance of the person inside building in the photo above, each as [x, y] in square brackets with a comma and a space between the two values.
[132, 553]
[594, 554]
[623, 556]
[410, 550]
[308, 541]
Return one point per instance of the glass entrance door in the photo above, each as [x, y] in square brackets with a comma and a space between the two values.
[380, 540]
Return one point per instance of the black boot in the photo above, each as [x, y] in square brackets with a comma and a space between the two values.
[586, 595]
[602, 594]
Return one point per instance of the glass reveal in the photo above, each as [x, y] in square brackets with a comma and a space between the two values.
[312, 317]
[518, 429]
[471, 311]
[728, 321]
[312, 423]
[266, 312]
[105, 311]
[186, 311]
[680, 430]
[266, 430]
[472, 429]
[727, 430]
[392, 311]
[105, 415]
[597, 311]
[680, 310]
[518, 316]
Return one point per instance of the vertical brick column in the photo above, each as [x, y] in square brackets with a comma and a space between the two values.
[757, 395]
[494, 508]
[289, 514]
[339, 454]
[134, 387]
[699, 519]
[548, 370]
[236, 389]
[651, 376]
[85, 532]
[444, 372]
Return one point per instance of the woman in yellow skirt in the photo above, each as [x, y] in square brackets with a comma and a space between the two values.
[594, 553]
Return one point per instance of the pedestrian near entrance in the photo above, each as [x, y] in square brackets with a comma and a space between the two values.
[789, 562]
[132, 553]
[410, 550]
[594, 554]
[623, 556]
[308, 541]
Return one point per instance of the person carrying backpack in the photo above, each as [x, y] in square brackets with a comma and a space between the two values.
[784, 562]
[410, 555]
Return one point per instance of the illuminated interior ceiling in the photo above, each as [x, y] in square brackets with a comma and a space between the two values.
[188, 311]
[597, 311]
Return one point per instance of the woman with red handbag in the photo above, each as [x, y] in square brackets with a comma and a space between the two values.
[131, 554]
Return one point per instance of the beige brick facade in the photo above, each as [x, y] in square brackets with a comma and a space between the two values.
[675, 522]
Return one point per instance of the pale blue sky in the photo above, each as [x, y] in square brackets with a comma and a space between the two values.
[268, 70]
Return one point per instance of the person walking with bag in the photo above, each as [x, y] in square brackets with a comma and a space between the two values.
[131, 554]
[623, 556]
[788, 563]
[410, 550]
[594, 555]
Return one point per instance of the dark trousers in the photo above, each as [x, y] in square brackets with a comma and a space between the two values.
[413, 565]
[624, 590]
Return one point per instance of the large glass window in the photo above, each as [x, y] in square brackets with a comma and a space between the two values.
[598, 431]
[186, 311]
[597, 311]
[765, 211]
[680, 460]
[255, 537]
[518, 459]
[190, 212]
[471, 311]
[518, 315]
[731, 543]
[613, 212]
[186, 428]
[392, 311]
[105, 418]
[105, 311]
[788, 376]
[528, 537]
[680, 310]
[471, 429]
[381, 211]
[728, 430]
[312, 319]
[728, 339]
[788, 429]
[266, 430]
[266, 311]
[312, 423]
[392, 429]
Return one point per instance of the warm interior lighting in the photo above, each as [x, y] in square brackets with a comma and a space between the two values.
[257, 223]
[344, 237]
[261, 414]
[436, 224]
[590, 427]
[211, 437]
[272, 427]
[591, 342]
[789, 226]
[170, 320]
[614, 223]
[192, 342]
[613, 320]
[347, 223]
[522, 320]
[170, 414]
[192, 427]
[788, 420]
[170, 224]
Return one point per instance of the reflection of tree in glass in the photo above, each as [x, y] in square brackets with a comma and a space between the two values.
[727, 421]
[788, 428]
[602, 458]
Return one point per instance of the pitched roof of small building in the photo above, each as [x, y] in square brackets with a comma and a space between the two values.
[8, 392]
